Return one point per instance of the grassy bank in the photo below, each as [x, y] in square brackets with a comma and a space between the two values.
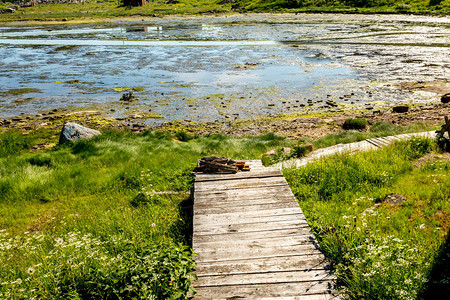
[103, 219]
[382, 248]
[110, 217]
[106, 9]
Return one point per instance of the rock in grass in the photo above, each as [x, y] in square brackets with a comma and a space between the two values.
[445, 98]
[394, 199]
[400, 108]
[72, 132]
[286, 150]
[271, 153]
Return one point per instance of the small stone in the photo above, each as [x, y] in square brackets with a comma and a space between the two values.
[400, 108]
[445, 98]
[394, 199]
[271, 153]
[72, 132]
[286, 150]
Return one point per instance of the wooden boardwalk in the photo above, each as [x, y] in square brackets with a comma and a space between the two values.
[369, 144]
[253, 240]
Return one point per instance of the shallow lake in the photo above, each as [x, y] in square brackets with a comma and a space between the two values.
[217, 68]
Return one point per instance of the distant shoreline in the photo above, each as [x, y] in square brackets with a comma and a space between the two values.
[87, 12]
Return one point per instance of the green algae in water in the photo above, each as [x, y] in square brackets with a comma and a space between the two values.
[21, 91]
[123, 89]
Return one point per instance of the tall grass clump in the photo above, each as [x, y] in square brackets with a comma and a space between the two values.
[380, 250]
[357, 123]
[107, 218]
[13, 142]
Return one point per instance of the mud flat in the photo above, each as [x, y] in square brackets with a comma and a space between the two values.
[210, 74]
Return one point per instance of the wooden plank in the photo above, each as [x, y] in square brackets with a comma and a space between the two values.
[242, 203]
[257, 244]
[213, 208]
[247, 216]
[304, 297]
[241, 236]
[257, 252]
[266, 278]
[274, 264]
[264, 190]
[278, 240]
[199, 177]
[254, 227]
[239, 183]
[252, 238]
[264, 290]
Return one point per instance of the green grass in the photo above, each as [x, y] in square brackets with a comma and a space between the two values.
[82, 220]
[380, 251]
[91, 10]
[357, 123]
[379, 129]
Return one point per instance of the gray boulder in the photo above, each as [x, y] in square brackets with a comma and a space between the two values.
[72, 132]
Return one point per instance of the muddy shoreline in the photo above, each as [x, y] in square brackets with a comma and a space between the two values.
[294, 128]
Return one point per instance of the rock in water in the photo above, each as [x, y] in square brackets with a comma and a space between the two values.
[400, 108]
[72, 132]
[445, 98]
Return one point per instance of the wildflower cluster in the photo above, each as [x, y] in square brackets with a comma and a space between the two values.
[89, 267]
[388, 266]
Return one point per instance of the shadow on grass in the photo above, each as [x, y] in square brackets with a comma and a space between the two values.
[183, 228]
[438, 286]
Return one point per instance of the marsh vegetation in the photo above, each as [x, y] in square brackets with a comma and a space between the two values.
[110, 217]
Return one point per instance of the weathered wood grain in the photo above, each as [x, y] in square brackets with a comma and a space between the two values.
[253, 236]
[253, 240]
[264, 290]
[273, 264]
[260, 173]
[249, 227]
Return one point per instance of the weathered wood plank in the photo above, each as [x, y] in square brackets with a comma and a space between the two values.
[243, 204]
[256, 252]
[242, 236]
[266, 278]
[264, 290]
[253, 240]
[278, 240]
[240, 194]
[227, 208]
[273, 264]
[305, 297]
[247, 220]
[260, 173]
[250, 245]
[242, 216]
[239, 183]
[249, 227]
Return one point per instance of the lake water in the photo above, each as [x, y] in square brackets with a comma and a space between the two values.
[207, 69]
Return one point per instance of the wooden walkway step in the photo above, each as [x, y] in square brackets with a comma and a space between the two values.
[366, 145]
[253, 240]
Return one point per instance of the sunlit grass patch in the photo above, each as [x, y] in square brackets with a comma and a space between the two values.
[380, 250]
[106, 218]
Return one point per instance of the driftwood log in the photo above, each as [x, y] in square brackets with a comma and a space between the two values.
[215, 164]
